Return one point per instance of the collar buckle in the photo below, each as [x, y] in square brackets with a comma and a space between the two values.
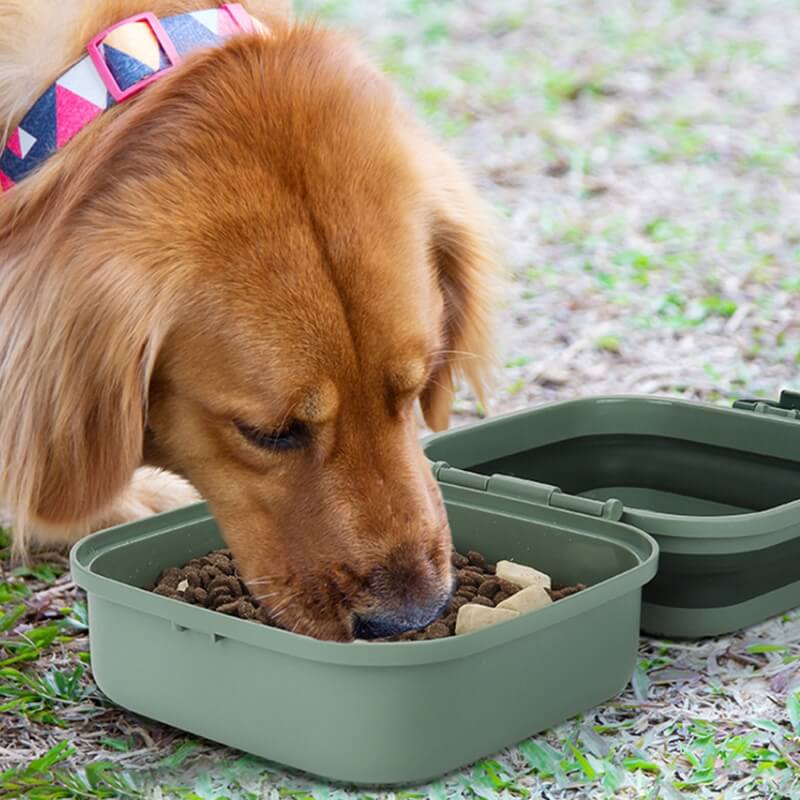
[165, 43]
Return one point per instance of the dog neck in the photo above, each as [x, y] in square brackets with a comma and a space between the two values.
[40, 39]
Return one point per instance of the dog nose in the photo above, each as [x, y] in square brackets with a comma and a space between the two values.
[390, 623]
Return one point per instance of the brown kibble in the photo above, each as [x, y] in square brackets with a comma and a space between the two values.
[477, 570]
[469, 577]
[507, 586]
[193, 576]
[437, 630]
[231, 584]
[223, 564]
[246, 610]
[218, 581]
[213, 581]
[218, 591]
[455, 603]
[170, 577]
[565, 591]
[220, 600]
[489, 588]
[198, 595]
[207, 575]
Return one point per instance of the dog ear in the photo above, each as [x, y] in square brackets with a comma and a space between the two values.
[79, 335]
[462, 253]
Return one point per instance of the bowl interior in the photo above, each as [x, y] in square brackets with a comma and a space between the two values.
[568, 556]
[654, 454]
[657, 473]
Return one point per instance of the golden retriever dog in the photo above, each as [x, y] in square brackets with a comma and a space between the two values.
[247, 275]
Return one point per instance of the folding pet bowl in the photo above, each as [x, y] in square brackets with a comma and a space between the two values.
[718, 488]
[372, 712]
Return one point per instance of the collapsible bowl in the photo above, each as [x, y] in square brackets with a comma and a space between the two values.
[718, 488]
[372, 712]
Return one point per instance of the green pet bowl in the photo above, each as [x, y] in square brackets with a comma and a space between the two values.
[718, 488]
[371, 712]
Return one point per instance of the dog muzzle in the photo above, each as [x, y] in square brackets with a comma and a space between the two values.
[120, 61]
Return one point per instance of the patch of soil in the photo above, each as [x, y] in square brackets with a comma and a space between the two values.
[213, 581]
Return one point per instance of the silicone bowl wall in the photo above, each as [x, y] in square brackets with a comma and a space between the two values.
[368, 712]
[718, 488]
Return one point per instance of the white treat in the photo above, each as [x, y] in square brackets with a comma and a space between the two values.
[473, 617]
[531, 598]
[521, 575]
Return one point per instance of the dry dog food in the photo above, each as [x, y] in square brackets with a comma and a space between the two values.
[213, 581]
[473, 617]
[531, 598]
[521, 575]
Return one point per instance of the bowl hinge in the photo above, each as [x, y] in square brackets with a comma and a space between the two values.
[527, 490]
[788, 407]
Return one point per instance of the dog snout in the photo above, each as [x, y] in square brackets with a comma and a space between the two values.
[390, 623]
[408, 591]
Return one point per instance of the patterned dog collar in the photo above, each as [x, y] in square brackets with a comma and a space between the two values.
[121, 61]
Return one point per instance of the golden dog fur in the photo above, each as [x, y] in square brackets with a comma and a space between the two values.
[263, 236]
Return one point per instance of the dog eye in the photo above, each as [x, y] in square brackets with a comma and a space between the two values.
[291, 437]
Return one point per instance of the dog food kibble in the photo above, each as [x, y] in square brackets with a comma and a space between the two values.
[531, 598]
[472, 617]
[489, 588]
[521, 575]
[485, 593]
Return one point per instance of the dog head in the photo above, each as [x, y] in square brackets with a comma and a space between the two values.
[250, 276]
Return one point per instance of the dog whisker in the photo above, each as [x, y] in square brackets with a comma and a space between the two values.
[437, 383]
[288, 578]
[283, 605]
[266, 579]
[261, 597]
[462, 353]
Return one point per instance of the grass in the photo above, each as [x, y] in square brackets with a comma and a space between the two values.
[693, 721]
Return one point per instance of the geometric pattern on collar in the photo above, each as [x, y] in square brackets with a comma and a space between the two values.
[120, 62]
